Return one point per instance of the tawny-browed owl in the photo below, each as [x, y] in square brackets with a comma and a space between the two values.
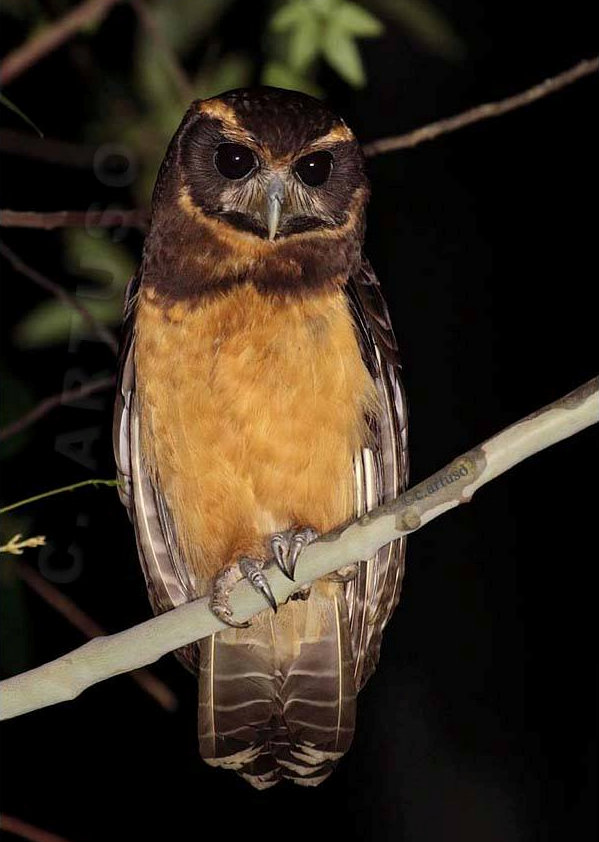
[259, 405]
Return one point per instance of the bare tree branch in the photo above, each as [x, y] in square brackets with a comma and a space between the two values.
[156, 688]
[481, 112]
[59, 292]
[139, 218]
[48, 404]
[51, 37]
[48, 220]
[47, 149]
[27, 831]
[66, 677]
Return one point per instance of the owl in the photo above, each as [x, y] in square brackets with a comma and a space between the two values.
[260, 405]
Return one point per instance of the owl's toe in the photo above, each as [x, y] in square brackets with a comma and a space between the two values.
[288, 545]
[224, 582]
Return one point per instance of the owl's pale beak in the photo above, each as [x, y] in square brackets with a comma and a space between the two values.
[275, 196]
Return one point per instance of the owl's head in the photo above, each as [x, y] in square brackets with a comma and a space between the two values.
[264, 176]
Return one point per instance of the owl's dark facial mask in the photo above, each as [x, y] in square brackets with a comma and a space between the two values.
[269, 193]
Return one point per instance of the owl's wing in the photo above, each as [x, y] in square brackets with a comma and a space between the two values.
[167, 579]
[381, 472]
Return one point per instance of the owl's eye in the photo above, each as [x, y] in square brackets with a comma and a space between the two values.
[234, 161]
[315, 169]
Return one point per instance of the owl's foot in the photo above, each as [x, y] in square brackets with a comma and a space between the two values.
[287, 546]
[225, 581]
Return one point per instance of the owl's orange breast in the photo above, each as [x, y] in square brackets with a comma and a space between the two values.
[252, 408]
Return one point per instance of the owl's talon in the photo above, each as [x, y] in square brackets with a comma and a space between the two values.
[287, 546]
[225, 581]
[252, 571]
[279, 545]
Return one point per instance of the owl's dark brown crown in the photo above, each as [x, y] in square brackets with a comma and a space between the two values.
[259, 185]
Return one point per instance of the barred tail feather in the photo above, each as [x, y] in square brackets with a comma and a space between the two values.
[278, 700]
[237, 703]
[319, 694]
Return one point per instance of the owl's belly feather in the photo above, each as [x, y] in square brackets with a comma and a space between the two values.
[252, 408]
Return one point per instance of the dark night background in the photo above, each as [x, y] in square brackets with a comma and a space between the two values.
[480, 721]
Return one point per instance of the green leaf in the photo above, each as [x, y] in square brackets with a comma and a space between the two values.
[94, 256]
[358, 21]
[304, 43]
[279, 75]
[8, 104]
[54, 322]
[324, 8]
[341, 52]
[289, 16]
[427, 25]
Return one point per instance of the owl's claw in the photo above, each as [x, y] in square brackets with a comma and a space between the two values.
[252, 571]
[287, 546]
[225, 581]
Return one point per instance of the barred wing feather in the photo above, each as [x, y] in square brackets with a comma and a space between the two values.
[381, 473]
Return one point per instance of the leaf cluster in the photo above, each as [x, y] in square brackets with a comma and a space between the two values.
[142, 108]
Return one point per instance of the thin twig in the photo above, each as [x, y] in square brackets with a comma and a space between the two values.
[95, 482]
[48, 220]
[78, 618]
[51, 37]
[146, 18]
[27, 831]
[481, 112]
[17, 544]
[69, 396]
[59, 292]
[47, 149]
[102, 658]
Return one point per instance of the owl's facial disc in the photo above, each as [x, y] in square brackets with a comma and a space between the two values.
[258, 185]
[272, 197]
[272, 164]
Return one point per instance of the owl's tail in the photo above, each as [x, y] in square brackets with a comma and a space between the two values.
[278, 700]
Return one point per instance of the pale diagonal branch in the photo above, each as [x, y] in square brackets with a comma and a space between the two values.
[482, 112]
[65, 606]
[59, 292]
[102, 658]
